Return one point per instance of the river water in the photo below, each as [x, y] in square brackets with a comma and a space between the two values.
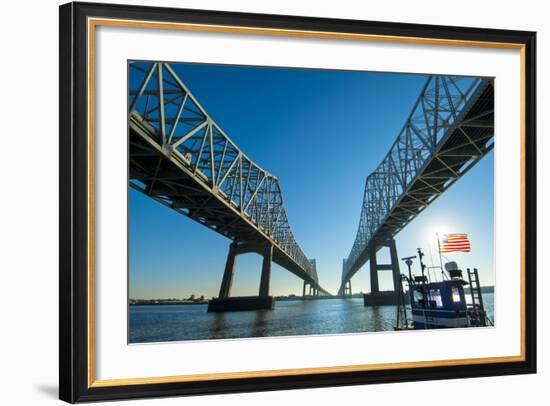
[161, 323]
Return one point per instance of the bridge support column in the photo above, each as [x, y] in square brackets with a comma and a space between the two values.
[347, 288]
[266, 270]
[373, 269]
[377, 297]
[304, 289]
[224, 302]
[227, 280]
[395, 265]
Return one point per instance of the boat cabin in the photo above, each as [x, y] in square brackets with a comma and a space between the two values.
[438, 304]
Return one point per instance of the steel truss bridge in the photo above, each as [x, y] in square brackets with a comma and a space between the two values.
[449, 130]
[181, 158]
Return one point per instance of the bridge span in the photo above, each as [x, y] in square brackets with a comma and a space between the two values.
[448, 131]
[180, 157]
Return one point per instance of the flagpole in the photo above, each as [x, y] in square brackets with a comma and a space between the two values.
[439, 252]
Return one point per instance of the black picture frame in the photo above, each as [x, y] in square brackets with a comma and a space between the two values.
[74, 385]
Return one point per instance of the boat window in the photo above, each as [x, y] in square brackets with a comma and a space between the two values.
[435, 298]
[417, 296]
[456, 294]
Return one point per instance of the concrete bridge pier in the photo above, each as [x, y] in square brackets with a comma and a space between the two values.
[304, 290]
[224, 302]
[266, 270]
[347, 288]
[311, 290]
[377, 297]
[229, 272]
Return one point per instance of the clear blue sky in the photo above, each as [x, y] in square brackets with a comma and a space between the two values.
[321, 133]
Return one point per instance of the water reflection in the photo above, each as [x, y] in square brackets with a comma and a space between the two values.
[289, 318]
[260, 323]
[219, 325]
[377, 325]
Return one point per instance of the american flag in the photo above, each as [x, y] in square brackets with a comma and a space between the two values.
[454, 242]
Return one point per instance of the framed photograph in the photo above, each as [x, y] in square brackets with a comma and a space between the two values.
[258, 202]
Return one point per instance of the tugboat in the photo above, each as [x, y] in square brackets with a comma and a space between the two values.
[440, 304]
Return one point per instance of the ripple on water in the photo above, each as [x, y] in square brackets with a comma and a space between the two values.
[289, 318]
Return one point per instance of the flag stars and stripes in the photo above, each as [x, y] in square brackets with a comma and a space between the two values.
[454, 243]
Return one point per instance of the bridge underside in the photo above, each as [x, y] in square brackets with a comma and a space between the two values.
[164, 178]
[464, 145]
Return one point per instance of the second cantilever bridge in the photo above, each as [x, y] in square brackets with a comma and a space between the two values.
[449, 130]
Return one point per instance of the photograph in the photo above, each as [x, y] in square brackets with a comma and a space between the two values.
[253, 201]
[286, 201]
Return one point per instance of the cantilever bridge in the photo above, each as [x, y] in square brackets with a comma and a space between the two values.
[181, 158]
[449, 130]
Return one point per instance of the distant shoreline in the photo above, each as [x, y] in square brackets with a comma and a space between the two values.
[484, 289]
[169, 303]
[144, 302]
